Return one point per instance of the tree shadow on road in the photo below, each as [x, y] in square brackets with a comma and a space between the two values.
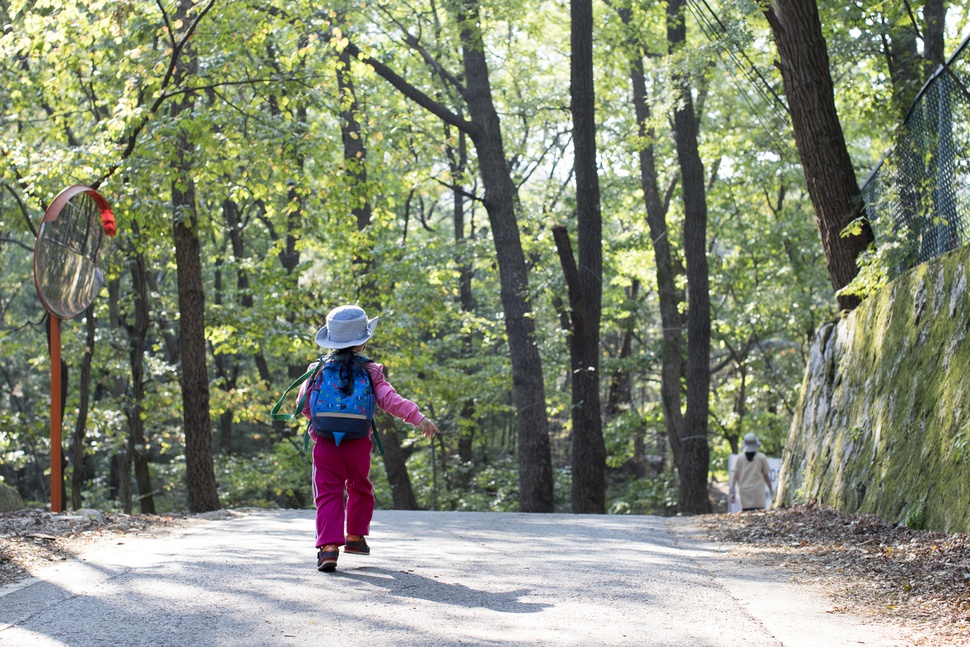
[409, 584]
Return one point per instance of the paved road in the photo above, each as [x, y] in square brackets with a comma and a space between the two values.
[433, 578]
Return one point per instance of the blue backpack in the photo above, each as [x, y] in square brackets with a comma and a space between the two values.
[335, 412]
[340, 410]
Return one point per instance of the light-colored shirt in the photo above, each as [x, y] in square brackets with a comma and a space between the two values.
[751, 478]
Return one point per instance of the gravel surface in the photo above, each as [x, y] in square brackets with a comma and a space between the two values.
[918, 579]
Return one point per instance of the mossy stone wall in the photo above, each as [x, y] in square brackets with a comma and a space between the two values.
[883, 421]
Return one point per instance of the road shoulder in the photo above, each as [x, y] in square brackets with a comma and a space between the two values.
[796, 613]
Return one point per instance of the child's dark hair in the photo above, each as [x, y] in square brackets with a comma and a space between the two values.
[347, 357]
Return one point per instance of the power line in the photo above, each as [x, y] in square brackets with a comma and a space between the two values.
[742, 86]
[764, 84]
[716, 32]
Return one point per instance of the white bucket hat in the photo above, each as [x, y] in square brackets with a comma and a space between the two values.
[751, 443]
[346, 326]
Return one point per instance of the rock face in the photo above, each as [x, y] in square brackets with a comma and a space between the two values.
[883, 422]
[9, 499]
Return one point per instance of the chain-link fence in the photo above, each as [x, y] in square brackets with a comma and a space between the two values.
[918, 198]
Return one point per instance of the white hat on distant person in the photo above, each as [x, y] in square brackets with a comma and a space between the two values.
[751, 443]
[346, 326]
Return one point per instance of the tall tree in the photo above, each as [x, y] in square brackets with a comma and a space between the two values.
[692, 446]
[77, 475]
[458, 164]
[194, 377]
[896, 30]
[528, 391]
[228, 367]
[485, 131]
[657, 203]
[137, 330]
[829, 175]
[585, 281]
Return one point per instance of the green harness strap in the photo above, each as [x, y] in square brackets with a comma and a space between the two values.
[276, 415]
[312, 375]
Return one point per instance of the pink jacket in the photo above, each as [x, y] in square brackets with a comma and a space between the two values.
[387, 398]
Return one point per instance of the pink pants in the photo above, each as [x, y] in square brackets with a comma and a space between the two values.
[335, 468]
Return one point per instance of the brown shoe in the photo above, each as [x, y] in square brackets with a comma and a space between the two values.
[356, 545]
[327, 558]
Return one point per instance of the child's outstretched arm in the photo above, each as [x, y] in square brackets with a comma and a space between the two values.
[389, 400]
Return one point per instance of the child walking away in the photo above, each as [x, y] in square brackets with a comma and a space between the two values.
[340, 407]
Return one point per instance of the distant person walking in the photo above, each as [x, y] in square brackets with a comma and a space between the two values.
[341, 460]
[751, 475]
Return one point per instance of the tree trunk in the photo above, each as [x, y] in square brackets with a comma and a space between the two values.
[355, 155]
[395, 464]
[289, 255]
[669, 296]
[908, 69]
[194, 376]
[528, 388]
[202, 487]
[934, 28]
[280, 429]
[466, 422]
[619, 393]
[588, 449]
[829, 175]
[691, 447]
[228, 366]
[225, 366]
[585, 287]
[77, 475]
[138, 339]
[905, 65]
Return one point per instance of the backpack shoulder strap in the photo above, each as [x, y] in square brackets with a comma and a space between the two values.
[311, 375]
